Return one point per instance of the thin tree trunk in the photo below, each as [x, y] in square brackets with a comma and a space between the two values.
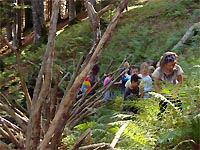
[9, 21]
[28, 16]
[19, 24]
[43, 86]
[38, 20]
[72, 10]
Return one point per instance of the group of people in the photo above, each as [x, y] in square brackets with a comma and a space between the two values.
[138, 84]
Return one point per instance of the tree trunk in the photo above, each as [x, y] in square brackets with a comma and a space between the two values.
[28, 16]
[93, 2]
[38, 20]
[72, 10]
[19, 23]
[8, 19]
[49, 8]
[43, 85]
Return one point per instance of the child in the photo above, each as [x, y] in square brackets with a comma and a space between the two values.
[146, 83]
[123, 78]
[134, 70]
[151, 70]
[107, 80]
[133, 89]
[90, 80]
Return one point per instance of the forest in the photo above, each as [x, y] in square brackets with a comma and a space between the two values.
[47, 48]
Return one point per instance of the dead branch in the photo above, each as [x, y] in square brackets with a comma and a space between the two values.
[23, 83]
[4, 133]
[53, 98]
[75, 73]
[11, 125]
[99, 146]
[95, 22]
[6, 80]
[4, 146]
[81, 139]
[13, 104]
[85, 107]
[105, 9]
[22, 121]
[187, 35]
[11, 136]
[118, 134]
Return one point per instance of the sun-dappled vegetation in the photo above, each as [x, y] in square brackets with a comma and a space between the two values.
[145, 31]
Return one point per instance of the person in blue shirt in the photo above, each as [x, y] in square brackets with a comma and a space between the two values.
[146, 83]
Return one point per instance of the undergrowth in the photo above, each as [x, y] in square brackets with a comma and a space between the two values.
[145, 32]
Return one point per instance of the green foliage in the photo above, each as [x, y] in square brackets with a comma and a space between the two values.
[146, 35]
[144, 32]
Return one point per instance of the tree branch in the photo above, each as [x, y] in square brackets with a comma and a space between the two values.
[118, 134]
[81, 139]
[187, 35]
[23, 83]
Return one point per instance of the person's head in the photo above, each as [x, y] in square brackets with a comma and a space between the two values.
[135, 81]
[126, 65]
[96, 69]
[144, 68]
[133, 70]
[168, 61]
[150, 62]
[151, 69]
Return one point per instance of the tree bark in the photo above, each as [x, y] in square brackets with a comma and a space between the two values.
[38, 20]
[42, 87]
[187, 35]
[72, 10]
[28, 16]
[23, 83]
[9, 21]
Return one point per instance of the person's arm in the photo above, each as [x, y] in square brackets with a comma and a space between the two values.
[128, 83]
[180, 79]
[157, 85]
[119, 82]
[142, 92]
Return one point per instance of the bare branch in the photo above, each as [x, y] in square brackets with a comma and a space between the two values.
[81, 139]
[10, 125]
[187, 35]
[11, 136]
[4, 146]
[23, 83]
[118, 134]
[22, 121]
[105, 9]
[99, 146]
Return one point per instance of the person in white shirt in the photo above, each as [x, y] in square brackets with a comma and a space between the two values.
[169, 72]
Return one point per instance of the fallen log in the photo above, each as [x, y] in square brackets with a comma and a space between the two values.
[187, 35]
